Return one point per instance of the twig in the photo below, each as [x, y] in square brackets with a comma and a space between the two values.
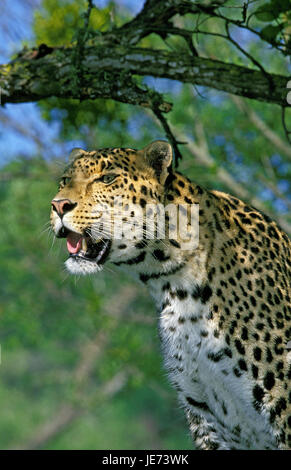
[82, 36]
[287, 132]
[240, 24]
[267, 132]
[170, 136]
[249, 56]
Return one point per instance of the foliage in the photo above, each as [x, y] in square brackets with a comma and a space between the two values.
[57, 24]
[277, 15]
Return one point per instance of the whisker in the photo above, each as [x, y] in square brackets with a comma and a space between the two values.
[52, 244]
[45, 231]
[65, 275]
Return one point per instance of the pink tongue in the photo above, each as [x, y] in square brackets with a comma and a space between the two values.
[74, 242]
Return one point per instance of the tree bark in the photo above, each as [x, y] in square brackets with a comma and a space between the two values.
[107, 72]
[105, 69]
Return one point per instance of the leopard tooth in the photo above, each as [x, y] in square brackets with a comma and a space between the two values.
[84, 244]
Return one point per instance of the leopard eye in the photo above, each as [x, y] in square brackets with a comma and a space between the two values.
[65, 180]
[107, 178]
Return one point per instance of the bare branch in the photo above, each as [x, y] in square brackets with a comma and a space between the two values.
[89, 355]
[66, 414]
[60, 421]
[267, 132]
[200, 152]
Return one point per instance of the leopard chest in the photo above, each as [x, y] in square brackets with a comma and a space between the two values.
[190, 345]
[201, 366]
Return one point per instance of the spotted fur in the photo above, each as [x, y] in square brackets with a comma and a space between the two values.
[225, 317]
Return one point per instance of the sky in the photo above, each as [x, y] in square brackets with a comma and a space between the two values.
[16, 27]
[23, 132]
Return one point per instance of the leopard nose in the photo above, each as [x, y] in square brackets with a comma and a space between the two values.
[62, 206]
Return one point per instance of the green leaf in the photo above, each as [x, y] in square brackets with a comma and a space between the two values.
[269, 33]
[265, 13]
[271, 11]
[280, 6]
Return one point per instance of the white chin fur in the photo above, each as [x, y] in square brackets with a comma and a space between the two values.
[81, 266]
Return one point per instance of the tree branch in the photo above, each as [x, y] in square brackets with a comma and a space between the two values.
[108, 73]
[266, 131]
[200, 151]
[106, 68]
[157, 13]
[91, 352]
[68, 413]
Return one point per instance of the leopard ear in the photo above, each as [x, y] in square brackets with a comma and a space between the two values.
[76, 152]
[158, 155]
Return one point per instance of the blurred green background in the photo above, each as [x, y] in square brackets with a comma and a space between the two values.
[81, 365]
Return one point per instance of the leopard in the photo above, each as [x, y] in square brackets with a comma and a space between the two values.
[224, 317]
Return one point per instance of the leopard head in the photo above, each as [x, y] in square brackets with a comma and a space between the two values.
[102, 200]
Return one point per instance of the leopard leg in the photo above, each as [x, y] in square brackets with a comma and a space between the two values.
[204, 433]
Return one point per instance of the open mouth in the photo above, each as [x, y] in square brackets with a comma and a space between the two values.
[83, 247]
